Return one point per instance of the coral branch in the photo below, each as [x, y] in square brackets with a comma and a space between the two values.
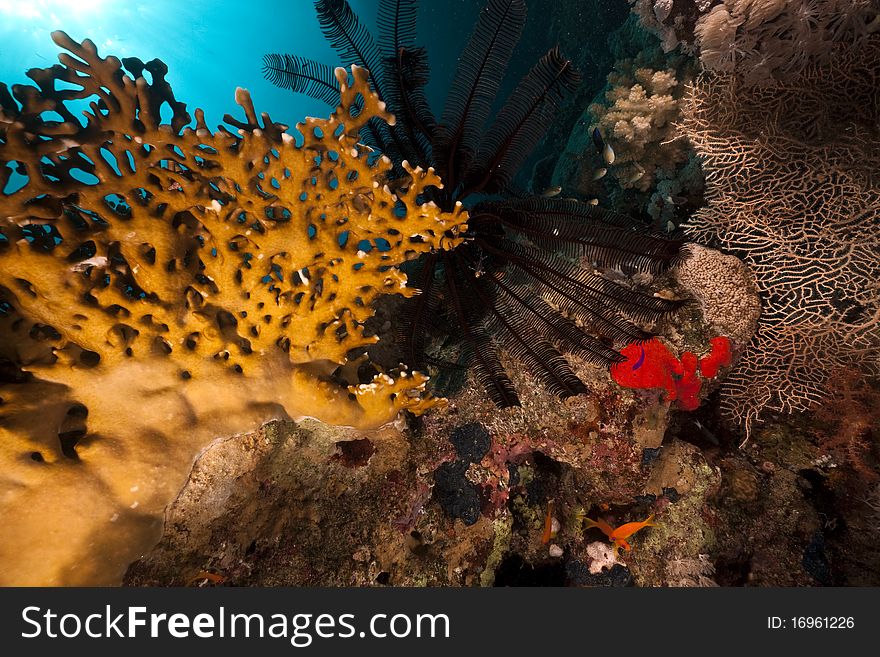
[792, 189]
[189, 283]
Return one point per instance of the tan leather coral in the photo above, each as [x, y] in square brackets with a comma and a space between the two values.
[169, 284]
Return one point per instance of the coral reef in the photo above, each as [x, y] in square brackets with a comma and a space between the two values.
[763, 40]
[524, 279]
[651, 365]
[192, 391]
[720, 519]
[637, 120]
[769, 40]
[683, 483]
[654, 174]
[792, 190]
[758, 516]
[725, 288]
[302, 506]
[167, 284]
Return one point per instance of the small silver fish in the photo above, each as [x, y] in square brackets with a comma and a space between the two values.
[635, 176]
[550, 192]
[608, 154]
[600, 173]
[593, 201]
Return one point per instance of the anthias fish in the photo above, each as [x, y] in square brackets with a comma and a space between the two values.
[619, 535]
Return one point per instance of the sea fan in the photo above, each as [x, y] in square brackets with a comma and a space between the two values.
[527, 278]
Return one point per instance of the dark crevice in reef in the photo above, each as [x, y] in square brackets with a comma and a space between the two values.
[73, 430]
[580, 575]
[820, 553]
[818, 493]
[10, 372]
[354, 453]
[515, 571]
[733, 570]
[547, 474]
[705, 428]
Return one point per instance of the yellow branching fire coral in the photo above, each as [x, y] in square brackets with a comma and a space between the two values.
[165, 284]
[197, 243]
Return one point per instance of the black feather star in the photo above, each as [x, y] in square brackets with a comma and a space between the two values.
[301, 75]
[528, 279]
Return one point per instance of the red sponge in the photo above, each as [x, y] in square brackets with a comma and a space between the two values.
[720, 356]
[650, 365]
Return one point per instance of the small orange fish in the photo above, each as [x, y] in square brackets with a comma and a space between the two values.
[548, 524]
[206, 576]
[619, 535]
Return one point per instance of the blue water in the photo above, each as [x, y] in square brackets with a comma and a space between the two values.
[213, 47]
[210, 47]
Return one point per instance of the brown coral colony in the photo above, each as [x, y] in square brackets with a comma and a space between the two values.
[212, 246]
[163, 284]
